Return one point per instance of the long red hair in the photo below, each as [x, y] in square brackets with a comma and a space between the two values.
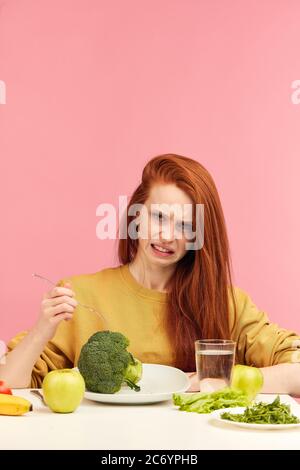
[198, 300]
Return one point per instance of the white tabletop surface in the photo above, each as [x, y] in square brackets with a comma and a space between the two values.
[155, 426]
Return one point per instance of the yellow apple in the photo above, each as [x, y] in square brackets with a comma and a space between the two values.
[63, 390]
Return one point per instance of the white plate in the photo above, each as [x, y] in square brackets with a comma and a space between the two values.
[158, 383]
[295, 410]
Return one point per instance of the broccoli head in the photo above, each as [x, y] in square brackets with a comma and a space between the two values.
[104, 362]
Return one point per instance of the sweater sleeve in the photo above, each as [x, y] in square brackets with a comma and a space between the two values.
[51, 358]
[259, 342]
[57, 354]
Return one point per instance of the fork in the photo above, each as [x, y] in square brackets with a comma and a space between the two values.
[38, 394]
[91, 309]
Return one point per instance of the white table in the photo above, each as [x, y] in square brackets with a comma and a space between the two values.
[154, 426]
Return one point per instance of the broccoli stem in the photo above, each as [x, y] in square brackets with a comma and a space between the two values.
[132, 385]
[132, 358]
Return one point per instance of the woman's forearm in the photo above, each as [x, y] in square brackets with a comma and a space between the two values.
[57, 305]
[282, 378]
[17, 370]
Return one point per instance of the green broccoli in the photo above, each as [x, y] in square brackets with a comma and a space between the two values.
[134, 370]
[105, 363]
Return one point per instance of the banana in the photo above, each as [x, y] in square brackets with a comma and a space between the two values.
[12, 405]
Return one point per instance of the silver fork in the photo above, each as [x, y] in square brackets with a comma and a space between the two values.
[38, 394]
[91, 309]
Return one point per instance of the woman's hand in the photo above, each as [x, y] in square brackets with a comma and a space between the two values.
[58, 304]
[194, 381]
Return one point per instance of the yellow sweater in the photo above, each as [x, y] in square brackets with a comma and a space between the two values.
[137, 312]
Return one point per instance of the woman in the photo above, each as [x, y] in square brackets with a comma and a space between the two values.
[164, 295]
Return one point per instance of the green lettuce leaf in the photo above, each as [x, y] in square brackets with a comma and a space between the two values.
[207, 402]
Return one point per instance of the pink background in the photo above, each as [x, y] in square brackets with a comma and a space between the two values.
[96, 88]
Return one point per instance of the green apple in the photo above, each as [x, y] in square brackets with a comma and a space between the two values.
[247, 379]
[63, 390]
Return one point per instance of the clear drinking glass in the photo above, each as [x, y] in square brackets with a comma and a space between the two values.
[214, 362]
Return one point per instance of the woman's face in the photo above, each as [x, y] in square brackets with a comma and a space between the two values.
[165, 225]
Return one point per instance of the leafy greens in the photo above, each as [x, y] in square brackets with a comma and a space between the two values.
[207, 402]
[264, 413]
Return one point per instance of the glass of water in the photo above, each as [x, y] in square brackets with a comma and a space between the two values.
[214, 362]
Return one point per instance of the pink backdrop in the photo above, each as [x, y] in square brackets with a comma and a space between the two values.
[96, 88]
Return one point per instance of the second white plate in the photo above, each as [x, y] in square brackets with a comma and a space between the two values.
[158, 383]
[217, 415]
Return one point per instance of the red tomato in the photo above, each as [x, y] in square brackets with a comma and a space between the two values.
[4, 388]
